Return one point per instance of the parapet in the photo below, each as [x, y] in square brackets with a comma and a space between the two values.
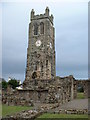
[41, 16]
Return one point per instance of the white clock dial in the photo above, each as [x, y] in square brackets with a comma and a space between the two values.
[50, 45]
[38, 43]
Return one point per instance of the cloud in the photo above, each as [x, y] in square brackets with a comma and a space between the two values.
[71, 26]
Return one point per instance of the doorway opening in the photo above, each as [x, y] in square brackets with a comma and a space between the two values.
[80, 92]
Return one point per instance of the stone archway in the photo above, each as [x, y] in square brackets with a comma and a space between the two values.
[80, 91]
[84, 85]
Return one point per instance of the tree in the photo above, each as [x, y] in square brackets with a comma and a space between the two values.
[81, 89]
[13, 83]
[4, 84]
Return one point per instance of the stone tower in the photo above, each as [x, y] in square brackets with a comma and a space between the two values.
[41, 47]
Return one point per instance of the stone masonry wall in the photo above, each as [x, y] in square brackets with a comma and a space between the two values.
[58, 90]
[82, 83]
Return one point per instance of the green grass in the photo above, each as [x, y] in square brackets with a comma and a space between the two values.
[9, 110]
[0, 109]
[80, 95]
[49, 115]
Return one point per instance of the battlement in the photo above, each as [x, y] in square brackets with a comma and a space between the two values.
[42, 16]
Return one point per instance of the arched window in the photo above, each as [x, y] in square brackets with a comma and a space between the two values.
[46, 62]
[42, 28]
[36, 67]
[34, 75]
[42, 68]
[36, 29]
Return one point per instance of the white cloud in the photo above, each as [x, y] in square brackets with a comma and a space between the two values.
[71, 35]
[48, 1]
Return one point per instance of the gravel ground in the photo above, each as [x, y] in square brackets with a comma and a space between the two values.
[75, 104]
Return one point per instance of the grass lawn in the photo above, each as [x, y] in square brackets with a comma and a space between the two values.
[0, 109]
[49, 115]
[9, 110]
[80, 95]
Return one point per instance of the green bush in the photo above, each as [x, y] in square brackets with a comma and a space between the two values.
[80, 89]
[4, 84]
[13, 83]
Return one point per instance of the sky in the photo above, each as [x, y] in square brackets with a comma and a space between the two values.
[71, 37]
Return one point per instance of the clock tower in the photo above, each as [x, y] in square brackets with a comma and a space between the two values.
[41, 47]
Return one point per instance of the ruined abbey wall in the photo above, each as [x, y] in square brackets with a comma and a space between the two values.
[85, 84]
[58, 90]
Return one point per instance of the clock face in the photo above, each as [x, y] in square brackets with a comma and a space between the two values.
[50, 45]
[38, 43]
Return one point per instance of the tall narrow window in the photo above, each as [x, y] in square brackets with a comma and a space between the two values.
[36, 67]
[42, 28]
[46, 62]
[36, 29]
[42, 68]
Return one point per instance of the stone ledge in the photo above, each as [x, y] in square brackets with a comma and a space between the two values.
[70, 111]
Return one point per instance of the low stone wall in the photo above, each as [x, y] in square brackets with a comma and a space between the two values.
[24, 115]
[31, 114]
[15, 97]
[71, 111]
